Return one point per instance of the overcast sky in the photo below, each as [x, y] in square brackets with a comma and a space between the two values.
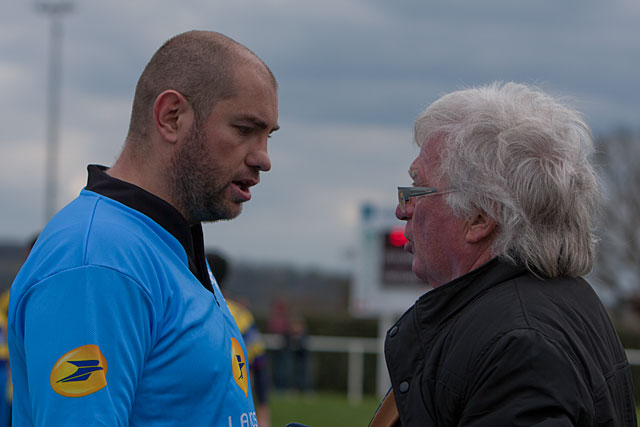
[353, 76]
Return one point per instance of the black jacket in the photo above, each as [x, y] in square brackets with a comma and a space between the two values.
[500, 347]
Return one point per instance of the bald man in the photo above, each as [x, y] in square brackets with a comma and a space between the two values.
[115, 318]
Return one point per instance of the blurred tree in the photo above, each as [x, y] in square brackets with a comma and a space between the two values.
[618, 257]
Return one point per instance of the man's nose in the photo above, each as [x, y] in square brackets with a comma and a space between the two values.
[404, 213]
[259, 158]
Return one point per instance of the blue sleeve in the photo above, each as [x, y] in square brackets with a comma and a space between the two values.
[86, 333]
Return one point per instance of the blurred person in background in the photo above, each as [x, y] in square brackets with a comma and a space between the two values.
[291, 357]
[256, 351]
[500, 220]
[113, 319]
[279, 324]
[5, 373]
[6, 384]
[298, 348]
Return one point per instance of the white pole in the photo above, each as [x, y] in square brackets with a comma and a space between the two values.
[383, 382]
[53, 118]
[55, 10]
[356, 372]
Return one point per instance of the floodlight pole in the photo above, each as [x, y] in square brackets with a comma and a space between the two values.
[55, 10]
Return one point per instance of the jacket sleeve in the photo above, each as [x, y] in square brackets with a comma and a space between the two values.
[524, 378]
[83, 335]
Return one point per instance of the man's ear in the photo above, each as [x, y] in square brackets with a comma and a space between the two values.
[172, 115]
[479, 228]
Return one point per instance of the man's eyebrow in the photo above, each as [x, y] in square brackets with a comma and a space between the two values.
[259, 123]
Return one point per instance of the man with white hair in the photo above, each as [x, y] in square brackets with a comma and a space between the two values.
[500, 222]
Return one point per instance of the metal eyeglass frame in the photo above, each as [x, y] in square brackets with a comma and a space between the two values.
[406, 193]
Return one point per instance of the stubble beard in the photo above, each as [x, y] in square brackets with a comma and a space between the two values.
[197, 187]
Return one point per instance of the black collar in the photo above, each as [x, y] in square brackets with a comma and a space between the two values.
[437, 306]
[190, 237]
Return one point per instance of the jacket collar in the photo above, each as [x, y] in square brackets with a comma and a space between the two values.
[440, 304]
[168, 217]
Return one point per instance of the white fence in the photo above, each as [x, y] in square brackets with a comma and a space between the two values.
[633, 355]
[357, 347]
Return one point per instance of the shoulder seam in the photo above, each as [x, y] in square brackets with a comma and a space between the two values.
[132, 279]
[89, 228]
[534, 330]
[522, 309]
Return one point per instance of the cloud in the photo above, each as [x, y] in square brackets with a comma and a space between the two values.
[353, 76]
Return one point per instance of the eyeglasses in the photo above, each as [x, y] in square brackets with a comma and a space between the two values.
[406, 193]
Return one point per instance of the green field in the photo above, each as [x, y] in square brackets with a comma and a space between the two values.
[321, 410]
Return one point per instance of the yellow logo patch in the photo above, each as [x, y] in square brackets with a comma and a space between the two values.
[80, 372]
[239, 363]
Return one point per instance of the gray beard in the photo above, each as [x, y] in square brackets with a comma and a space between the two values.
[194, 181]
